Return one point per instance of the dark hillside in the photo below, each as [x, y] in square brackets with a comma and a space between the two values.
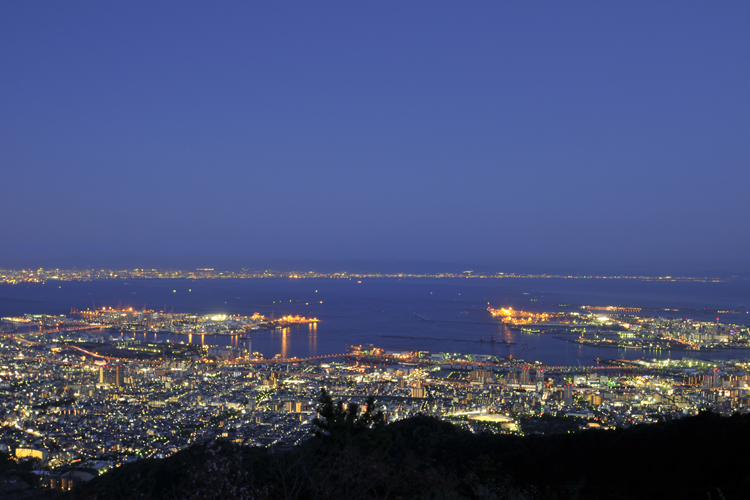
[695, 458]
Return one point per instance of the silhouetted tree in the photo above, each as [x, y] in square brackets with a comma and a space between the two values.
[342, 423]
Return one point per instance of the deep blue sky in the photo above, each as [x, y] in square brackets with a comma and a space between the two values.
[520, 133]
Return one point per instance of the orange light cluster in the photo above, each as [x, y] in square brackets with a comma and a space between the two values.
[613, 308]
[95, 313]
[513, 317]
[298, 319]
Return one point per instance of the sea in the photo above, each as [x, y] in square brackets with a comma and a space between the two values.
[407, 314]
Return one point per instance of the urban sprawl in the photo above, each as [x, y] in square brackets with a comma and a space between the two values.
[41, 275]
[79, 396]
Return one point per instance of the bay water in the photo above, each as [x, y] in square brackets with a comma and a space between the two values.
[439, 315]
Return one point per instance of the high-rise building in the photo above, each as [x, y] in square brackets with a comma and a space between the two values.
[482, 376]
[524, 376]
[119, 376]
[418, 390]
[112, 376]
[568, 395]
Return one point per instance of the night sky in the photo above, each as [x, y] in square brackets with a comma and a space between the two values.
[572, 134]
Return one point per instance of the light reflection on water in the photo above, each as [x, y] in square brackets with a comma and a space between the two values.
[382, 312]
[284, 343]
[302, 341]
[312, 339]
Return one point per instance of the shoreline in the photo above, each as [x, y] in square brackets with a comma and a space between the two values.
[643, 348]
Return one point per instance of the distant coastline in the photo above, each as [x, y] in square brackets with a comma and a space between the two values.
[41, 275]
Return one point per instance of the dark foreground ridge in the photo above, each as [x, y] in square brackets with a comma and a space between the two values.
[353, 455]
